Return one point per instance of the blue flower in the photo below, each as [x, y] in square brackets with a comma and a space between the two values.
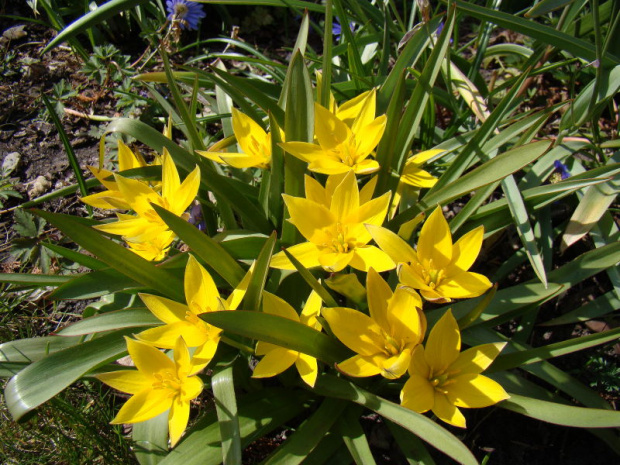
[187, 12]
[337, 28]
[562, 169]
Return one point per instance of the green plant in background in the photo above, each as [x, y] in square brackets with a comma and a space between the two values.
[321, 177]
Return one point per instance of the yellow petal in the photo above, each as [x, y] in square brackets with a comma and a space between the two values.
[368, 190]
[417, 394]
[464, 285]
[444, 343]
[143, 406]
[129, 381]
[238, 293]
[126, 158]
[466, 249]
[411, 276]
[307, 253]
[200, 289]
[310, 218]
[170, 180]
[335, 261]
[329, 130]
[263, 348]
[108, 200]
[205, 352]
[181, 357]
[346, 197]
[274, 305]
[418, 365]
[435, 243]
[357, 331]
[165, 309]
[147, 358]
[186, 193]
[372, 212]
[367, 166]
[166, 336]
[392, 244]
[315, 192]
[477, 359]
[423, 157]
[359, 111]
[275, 362]
[359, 367]
[417, 177]
[404, 318]
[244, 160]
[177, 420]
[368, 256]
[395, 366]
[447, 411]
[311, 310]
[211, 155]
[251, 137]
[128, 228]
[330, 165]
[308, 369]
[192, 387]
[368, 137]
[303, 150]
[379, 293]
[475, 391]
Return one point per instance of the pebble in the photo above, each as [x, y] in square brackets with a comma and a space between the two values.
[10, 163]
[39, 187]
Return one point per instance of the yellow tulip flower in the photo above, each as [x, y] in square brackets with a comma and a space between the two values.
[159, 384]
[201, 296]
[443, 379]
[255, 144]
[345, 138]
[277, 359]
[333, 223]
[385, 340]
[146, 227]
[438, 268]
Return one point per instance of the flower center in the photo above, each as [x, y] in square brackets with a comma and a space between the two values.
[430, 275]
[339, 242]
[392, 346]
[180, 10]
[169, 381]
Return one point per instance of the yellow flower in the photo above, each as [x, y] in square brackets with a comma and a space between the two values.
[158, 385]
[146, 231]
[112, 198]
[384, 341]
[333, 223]
[345, 139]
[443, 379]
[414, 175]
[277, 359]
[253, 140]
[439, 267]
[202, 296]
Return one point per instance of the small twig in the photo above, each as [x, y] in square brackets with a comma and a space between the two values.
[80, 114]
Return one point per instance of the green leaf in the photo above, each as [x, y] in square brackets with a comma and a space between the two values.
[116, 256]
[254, 292]
[119, 319]
[95, 284]
[559, 414]
[297, 4]
[545, 34]
[311, 280]
[100, 14]
[75, 256]
[35, 280]
[354, 437]
[279, 331]
[495, 169]
[204, 247]
[546, 6]
[308, 435]
[599, 307]
[525, 357]
[150, 439]
[32, 349]
[223, 386]
[42, 380]
[259, 413]
[423, 427]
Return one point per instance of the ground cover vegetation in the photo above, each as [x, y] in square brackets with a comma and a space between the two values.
[297, 231]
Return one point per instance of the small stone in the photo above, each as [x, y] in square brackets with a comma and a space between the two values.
[15, 33]
[10, 164]
[39, 187]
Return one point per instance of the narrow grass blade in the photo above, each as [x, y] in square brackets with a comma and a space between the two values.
[73, 161]
[223, 386]
[89, 20]
[354, 437]
[30, 350]
[35, 280]
[75, 256]
[279, 331]
[95, 284]
[597, 308]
